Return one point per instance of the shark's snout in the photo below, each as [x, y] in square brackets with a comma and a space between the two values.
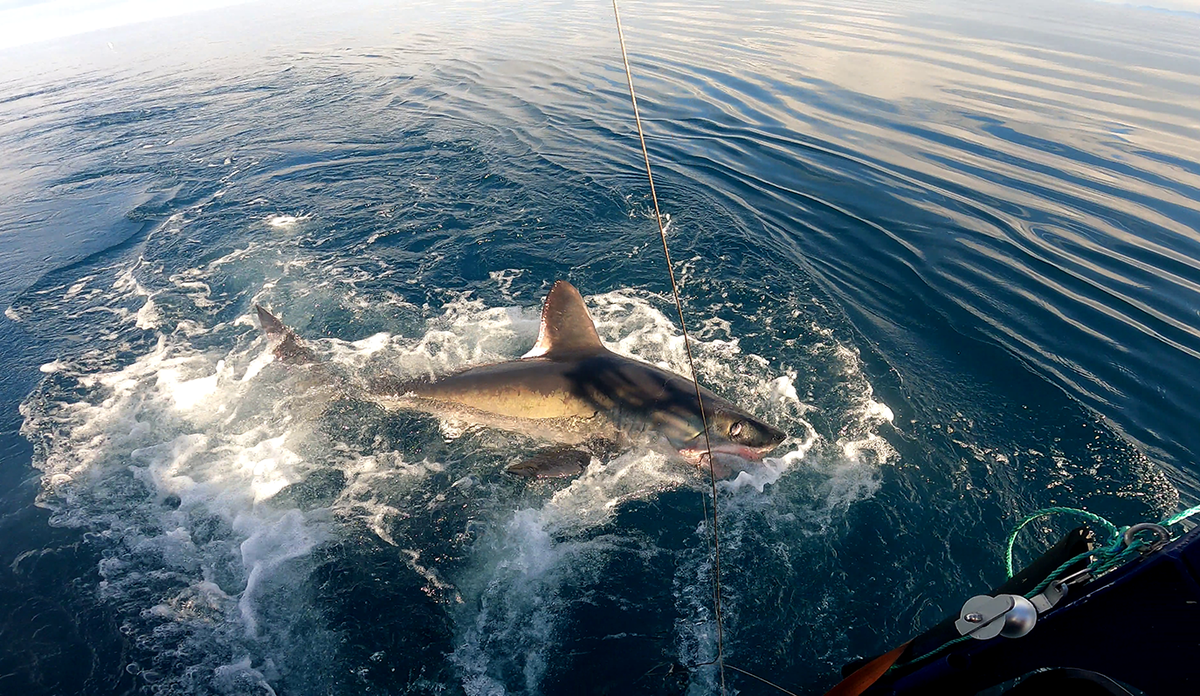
[735, 439]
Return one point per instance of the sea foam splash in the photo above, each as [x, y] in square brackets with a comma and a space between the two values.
[184, 461]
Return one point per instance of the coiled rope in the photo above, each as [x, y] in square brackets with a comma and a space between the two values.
[1113, 556]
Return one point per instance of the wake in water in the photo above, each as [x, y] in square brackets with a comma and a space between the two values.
[229, 494]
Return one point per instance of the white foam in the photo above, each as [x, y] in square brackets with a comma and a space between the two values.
[256, 366]
[285, 220]
[466, 333]
[269, 543]
[148, 317]
[504, 279]
[224, 434]
[241, 678]
[189, 393]
[78, 287]
[519, 616]
[771, 469]
[162, 430]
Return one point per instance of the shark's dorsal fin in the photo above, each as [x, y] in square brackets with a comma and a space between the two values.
[567, 328]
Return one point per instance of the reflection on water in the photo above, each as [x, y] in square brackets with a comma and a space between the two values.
[951, 248]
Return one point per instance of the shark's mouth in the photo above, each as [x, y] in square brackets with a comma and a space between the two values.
[698, 455]
[725, 460]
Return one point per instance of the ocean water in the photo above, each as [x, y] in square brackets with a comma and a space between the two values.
[950, 247]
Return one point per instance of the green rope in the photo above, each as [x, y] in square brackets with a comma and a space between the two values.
[1181, 516]
[1058, 573]
[1111, 528]
[1114, 534]
[936, 651]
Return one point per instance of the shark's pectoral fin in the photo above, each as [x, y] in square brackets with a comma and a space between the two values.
[562, 461]
[556, 462]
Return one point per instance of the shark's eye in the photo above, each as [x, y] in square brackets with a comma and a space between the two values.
[736, 429]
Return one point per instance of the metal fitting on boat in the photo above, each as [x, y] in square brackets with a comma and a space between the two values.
[984, 617]
[1163, 536]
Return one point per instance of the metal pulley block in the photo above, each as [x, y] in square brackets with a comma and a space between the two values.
[984, 617]
[1011, 616]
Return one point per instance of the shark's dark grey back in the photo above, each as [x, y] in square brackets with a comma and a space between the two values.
[567, 329]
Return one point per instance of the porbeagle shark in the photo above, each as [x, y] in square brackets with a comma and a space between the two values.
[571, 391]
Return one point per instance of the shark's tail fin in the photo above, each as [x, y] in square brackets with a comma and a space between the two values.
[270, 323]
[289, 349]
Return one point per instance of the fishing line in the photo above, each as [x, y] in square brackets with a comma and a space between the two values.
[712, 476]
[765, 681]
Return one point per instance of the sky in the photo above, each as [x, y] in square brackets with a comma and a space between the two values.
[24, 22]
[1174, 5]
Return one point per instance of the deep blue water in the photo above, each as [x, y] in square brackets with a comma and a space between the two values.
[951, 248]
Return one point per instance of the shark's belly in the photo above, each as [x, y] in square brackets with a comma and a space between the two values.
[530, 397]
[571, 430]
[531, 390]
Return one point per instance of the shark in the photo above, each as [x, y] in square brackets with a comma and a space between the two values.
[574, 394]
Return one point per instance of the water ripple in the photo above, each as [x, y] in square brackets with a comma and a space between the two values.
[954, 247]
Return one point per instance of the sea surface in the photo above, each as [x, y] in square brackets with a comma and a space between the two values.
[951, 247]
